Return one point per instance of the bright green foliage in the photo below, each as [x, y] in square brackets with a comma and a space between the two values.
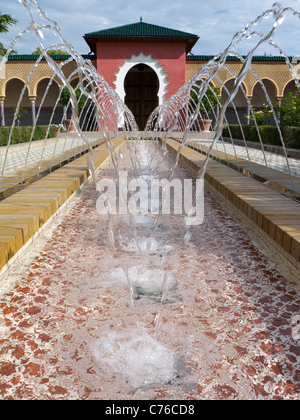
[38, 51]
[269, 134]
[65, 98]
[289, 110]
[209, 101]
[262, 116]
[5, 22]
[24, 133]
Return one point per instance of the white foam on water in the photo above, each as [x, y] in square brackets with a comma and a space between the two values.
[133, 358]
[144, 221]
[141, 221]
[147, 246]
[149, 281]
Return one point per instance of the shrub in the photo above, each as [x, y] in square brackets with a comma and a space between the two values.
[65, 97]
[262, 116]
[269, 134]
[289, 110]
[291, 136]
[209, 101]
[23, 134]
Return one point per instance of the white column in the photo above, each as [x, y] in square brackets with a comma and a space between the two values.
[279, 101]
[2, 111]
[32, 100]
[249, 109]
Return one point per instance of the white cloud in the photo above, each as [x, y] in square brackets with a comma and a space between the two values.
[215, 22]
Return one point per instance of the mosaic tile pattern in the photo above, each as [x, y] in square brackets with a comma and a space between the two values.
[229, 318]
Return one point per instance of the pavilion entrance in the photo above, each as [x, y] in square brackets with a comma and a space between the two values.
[141, 87]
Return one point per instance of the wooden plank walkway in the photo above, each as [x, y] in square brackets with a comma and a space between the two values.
[25, 212]
[278, 216]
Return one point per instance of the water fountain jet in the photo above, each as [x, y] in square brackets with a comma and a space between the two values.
[132, 352]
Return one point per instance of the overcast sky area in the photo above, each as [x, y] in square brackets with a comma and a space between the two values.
[214, 21]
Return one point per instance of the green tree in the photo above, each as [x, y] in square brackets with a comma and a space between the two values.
[209, 101]
[50, 52]
[262, 116]
[3, 50]
[289, 110]
[21, 112]
[65, 97]
[5, 22]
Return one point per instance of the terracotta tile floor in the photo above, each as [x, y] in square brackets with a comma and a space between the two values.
[228, 318]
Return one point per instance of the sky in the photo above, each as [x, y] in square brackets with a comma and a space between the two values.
[214, 21]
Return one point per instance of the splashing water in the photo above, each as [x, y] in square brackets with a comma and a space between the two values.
[133, 354]
[179, 117]
[143, 280]
[102, 107]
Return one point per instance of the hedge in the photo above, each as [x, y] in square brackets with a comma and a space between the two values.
[23, 134]
[269, 134]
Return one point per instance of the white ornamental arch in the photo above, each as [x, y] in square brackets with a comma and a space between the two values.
[149, 61]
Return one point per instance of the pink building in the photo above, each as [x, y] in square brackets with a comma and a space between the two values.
[144, 63]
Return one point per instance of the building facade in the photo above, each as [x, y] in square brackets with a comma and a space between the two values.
[145, 64]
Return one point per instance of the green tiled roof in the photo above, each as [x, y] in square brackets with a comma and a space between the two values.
[33, 57]
[233, 58]
[62, 57]
[141, 30]
[199, 57]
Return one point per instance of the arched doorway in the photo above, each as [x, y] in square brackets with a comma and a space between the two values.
[141, 87]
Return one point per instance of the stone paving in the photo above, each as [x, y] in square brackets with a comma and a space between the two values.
[274, 161]
[268, 167]
[17, 159]
[24, 164]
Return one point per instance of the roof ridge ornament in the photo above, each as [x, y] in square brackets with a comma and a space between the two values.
[141, 19]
